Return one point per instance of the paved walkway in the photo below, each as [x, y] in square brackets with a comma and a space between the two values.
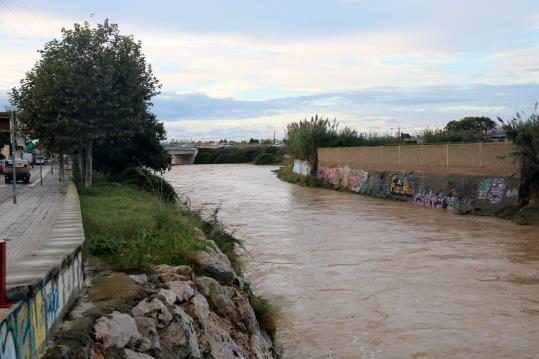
[29, 222]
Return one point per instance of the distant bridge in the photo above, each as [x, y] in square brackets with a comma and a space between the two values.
[182, 155]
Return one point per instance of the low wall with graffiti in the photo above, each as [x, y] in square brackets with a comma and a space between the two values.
[460, 177]
[44, 285]
[456, 192]
[301, 167]
[481, 159]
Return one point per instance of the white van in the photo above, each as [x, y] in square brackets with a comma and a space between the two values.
[40, 160]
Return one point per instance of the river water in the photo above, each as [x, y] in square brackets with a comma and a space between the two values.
[358, 277]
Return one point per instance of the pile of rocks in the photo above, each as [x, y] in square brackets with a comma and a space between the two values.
[184, 316]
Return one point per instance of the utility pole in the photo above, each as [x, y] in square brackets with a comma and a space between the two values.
[13, 134]
[398, 128]
[274, 137]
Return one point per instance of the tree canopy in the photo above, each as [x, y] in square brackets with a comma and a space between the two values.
[473, 124]
[92, 85]
[524, 133]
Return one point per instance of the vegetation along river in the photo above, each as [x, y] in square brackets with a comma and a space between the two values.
[359, 277]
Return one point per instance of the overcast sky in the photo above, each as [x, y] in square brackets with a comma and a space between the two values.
[240, 69]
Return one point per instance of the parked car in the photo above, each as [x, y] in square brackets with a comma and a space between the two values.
[22, 171]
[1, 167]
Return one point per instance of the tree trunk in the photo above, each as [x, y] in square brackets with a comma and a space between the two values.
[82, 162]
[61, 172]
[88, 169]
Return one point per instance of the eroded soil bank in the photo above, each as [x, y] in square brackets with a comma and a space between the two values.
[359, 277]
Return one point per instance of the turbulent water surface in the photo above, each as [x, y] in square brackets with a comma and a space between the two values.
[357, 277]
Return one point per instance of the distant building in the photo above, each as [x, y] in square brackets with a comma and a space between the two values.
[497, 134]
[4, 133]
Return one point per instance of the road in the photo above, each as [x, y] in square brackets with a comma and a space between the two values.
[28, 222]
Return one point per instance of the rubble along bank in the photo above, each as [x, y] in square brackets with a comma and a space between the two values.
[197, 302]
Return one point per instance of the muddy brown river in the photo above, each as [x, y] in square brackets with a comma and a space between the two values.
[358, 277]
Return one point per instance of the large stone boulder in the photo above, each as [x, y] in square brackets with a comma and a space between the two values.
[182, 289]
[217, 297]
[261, 345]
[167, 296]
[199, 309]
[166, 273]
[218, 344]
[216, 264]
[140, 279]
[153, 309]
[245, 312]
[129, 354]
[117, 329]
[148, 329]
[180, 337]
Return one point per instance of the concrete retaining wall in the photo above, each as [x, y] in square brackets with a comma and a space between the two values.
[481, 159]
[459, 177]
[44, 285]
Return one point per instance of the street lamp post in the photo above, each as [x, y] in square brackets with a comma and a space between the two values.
[13, 134]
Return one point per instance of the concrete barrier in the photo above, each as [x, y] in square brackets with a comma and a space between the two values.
[44, 285]
[480, 159]
[459, 177]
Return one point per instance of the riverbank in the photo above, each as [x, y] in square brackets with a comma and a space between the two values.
[525, 216]
[258, 155]
[185, 289]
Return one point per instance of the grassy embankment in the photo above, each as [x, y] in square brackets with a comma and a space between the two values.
[528, 215]
[131, 228]
[258, 155]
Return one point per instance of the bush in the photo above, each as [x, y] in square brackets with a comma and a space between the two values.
[266, 159]
[251, 154]
[149, 182]
[451, 136]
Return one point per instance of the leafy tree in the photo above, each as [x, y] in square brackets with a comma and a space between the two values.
[95, 85]
[305, 137]
[141, 149]
[525, 136]
[474, 124]
[253, 141]
[347, 137]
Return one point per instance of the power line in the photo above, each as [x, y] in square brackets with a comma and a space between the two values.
[31, 13]
[19, 20]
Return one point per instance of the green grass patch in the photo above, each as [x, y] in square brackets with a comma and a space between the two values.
[528, 215]
[129, 228]
[264, 312]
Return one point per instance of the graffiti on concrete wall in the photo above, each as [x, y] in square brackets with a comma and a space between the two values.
[435, 200]
[402, 184]
[330, 174]
[492, 189]
[353, 179]
[8, 348]
[457, 194]
[24, 330]
[511, 193]
[301, 168]
[357, 180]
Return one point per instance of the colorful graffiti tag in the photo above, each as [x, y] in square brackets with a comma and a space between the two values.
[301, 168]
[353, 179]
[357, 180]
[492, 189]
[24, 330]
[435, 200]
[402, 184]
[329, 174]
